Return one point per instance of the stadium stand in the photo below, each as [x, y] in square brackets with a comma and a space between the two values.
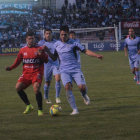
[85, 13]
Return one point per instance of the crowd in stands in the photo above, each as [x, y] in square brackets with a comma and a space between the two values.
[85, 13]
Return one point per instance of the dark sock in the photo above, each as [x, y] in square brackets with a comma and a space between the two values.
[39, 100]
[24, 97]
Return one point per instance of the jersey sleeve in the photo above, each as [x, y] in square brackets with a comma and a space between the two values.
[139, 44]
[125, 43]
[17, 60]
[80, 47]
[40, 43]
[44, 57]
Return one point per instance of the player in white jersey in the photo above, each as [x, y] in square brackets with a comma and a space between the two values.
[132, 46]
[70, 69]
[50, 68]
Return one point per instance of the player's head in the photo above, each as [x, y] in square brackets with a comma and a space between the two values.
[48, 34]
[64, 33]
[131, 32]
[72, 35]
[30, 38]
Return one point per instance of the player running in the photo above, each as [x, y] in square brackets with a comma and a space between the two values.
[132, 46]
[50, 68]
[69, 67]
[33, 58]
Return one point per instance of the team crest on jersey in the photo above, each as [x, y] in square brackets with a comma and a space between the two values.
[25, 53]
[35, 53]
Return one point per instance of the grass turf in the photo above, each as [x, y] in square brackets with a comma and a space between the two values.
[114, 113]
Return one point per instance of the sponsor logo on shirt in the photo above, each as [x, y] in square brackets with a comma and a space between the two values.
[25, 53]
[31, 61]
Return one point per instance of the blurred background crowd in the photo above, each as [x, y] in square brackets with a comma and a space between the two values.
[81, 14]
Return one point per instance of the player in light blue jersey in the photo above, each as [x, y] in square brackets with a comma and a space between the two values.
[50, 68]
[72, 35]
[132, 46]
[70, 69]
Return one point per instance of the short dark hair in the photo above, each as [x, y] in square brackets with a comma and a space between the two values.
[47, 29]
[64, 28]
[72, 32]
[131, 29]
[30, 33]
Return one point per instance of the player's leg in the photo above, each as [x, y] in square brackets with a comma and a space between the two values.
[56, 74]
[132, 67]
[36, 82]
[20, 86]
[48, 78]
[80, 81]
[67, 82]
[36, 88]
[136, 66]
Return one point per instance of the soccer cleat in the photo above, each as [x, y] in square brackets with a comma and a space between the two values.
[28, 109]
[138, 82]
[48, 101]
[135, 78]
[74, 112]
[40, 113]
[58, 101]
[86, 99]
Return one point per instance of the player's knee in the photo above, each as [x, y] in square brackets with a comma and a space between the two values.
[18, 88]
[136, 69]
[48, 83]
[36, 88]
[57, 78]
[82, 87]
[68, 86]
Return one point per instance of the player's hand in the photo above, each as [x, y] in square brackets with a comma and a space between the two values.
[7, 69]
[138, 51]
[45, 48]
[99, 56]
[40, 50]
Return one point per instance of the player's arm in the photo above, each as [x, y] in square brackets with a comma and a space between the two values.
[125, 48]
[41, 53]
[93, 54]
[88, 52]
[51, 55]
[139, 47]
[16, 62]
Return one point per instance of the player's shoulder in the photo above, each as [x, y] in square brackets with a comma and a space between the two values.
[137, 37]
[71, 41]
[24, 47]
[41, 42]
[57, 42]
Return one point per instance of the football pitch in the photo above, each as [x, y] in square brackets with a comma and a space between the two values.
[114, 112]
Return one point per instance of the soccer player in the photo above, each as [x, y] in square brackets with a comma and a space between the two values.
[33, 58]
[72, 35]
[52, 67]
[69, 67]
[131, 45]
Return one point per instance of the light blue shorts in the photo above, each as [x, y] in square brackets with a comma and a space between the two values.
[132, 63]
[138, 62]
[68, 77]
[50, 70]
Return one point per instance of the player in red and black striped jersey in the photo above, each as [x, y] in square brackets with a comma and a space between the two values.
[33, 58]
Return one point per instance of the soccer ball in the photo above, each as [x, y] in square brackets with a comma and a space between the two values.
[55, 110]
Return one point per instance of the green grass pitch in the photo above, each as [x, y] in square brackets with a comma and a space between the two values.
[114, 112]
